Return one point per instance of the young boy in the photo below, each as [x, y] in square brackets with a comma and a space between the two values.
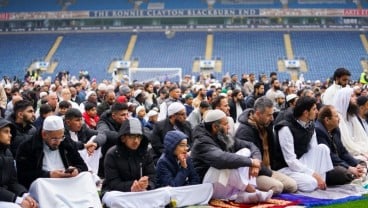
[90, 115]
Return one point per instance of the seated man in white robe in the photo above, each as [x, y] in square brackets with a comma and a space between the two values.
[353, 136]
[231, 165]
[51, 166]
[299, 155]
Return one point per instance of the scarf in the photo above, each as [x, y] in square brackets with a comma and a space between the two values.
[263, 136]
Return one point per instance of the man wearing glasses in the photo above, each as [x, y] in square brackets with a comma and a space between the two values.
[49, 156]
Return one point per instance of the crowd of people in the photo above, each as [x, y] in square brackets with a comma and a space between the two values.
[156, 144]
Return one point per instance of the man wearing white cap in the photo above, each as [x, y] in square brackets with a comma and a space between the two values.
[231, 165]
[47, 156]
[176, 120]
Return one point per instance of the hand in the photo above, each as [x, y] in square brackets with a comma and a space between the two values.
[140, 185]
[183, 160]
[256, 163]
[90, 147]
[29, 202]
[321, 183]
[253, 172]
[92, 122]
[355, 171]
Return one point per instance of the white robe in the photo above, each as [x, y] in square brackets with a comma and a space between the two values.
[78, 191]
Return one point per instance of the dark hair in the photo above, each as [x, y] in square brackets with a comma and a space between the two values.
[272, 81]
[258, 85]
[21, 105]
[235, 92]
[88, 106]
[72, 113]
[45, 109]
[273, 73]
[216, 102]
[340, 72]
[325, 112]
[64, 104]
[118, 107]
[303, 104]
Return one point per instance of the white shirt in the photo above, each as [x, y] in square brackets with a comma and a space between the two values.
[52, 159]
[287, 148]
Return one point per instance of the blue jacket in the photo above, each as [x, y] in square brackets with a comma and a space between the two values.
[169, 171]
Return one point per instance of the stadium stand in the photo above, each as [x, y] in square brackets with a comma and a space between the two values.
[18, 51]
[91, 52]
[326, 51]
[27, 6]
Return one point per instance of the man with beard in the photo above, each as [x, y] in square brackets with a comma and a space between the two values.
[55, 162]
[346, 168]
[256, 127]
[353, 136]
[258, 92]
[176, 120]
[52, 101]
[341, 78]
[362, 102]
[222, 103]
[22, 118]
[297, 152]
[231, 165]
[274, 90]
[109, 99]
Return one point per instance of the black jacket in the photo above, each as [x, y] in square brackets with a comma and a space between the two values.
[30, 157]
[301, 137]
[248, 132]
[85, 134]
[20, 134]
[339, 155]
[123, 166]
[9, 186]
[159, 131]
[110, 128]
[232, 105]
[209, 151]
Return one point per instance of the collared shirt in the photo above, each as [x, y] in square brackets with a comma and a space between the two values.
[52, 159]
[73, 136]
[287, 148]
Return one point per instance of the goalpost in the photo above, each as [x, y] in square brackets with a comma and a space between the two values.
[155, 74]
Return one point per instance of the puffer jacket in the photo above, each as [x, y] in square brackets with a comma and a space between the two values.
[169, 171]
[9, 186]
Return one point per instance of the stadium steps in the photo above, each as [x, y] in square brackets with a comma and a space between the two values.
[53, 49]
[364, 41]
[52, 64]
[303, 66]
[364, 64]
[130, 48]
[288, 47]
[209, 47]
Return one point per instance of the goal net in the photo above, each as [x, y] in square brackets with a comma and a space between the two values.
[155, 74]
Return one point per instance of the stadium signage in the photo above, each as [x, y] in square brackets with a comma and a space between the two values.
[356, 12]
[175, 13]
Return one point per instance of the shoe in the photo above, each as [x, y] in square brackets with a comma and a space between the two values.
[264, 196]
[247, 197]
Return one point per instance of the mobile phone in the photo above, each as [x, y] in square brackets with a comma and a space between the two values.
[69, 170]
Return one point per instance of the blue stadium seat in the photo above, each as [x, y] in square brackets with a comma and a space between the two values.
[18, 51]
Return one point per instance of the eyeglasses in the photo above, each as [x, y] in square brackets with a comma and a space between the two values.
[55, 139]
[184, 146]
[134, 137]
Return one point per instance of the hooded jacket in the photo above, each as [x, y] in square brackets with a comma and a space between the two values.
[123, 165]
[208, 151]
[9, 186]
[169, 171]
[248, 132]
